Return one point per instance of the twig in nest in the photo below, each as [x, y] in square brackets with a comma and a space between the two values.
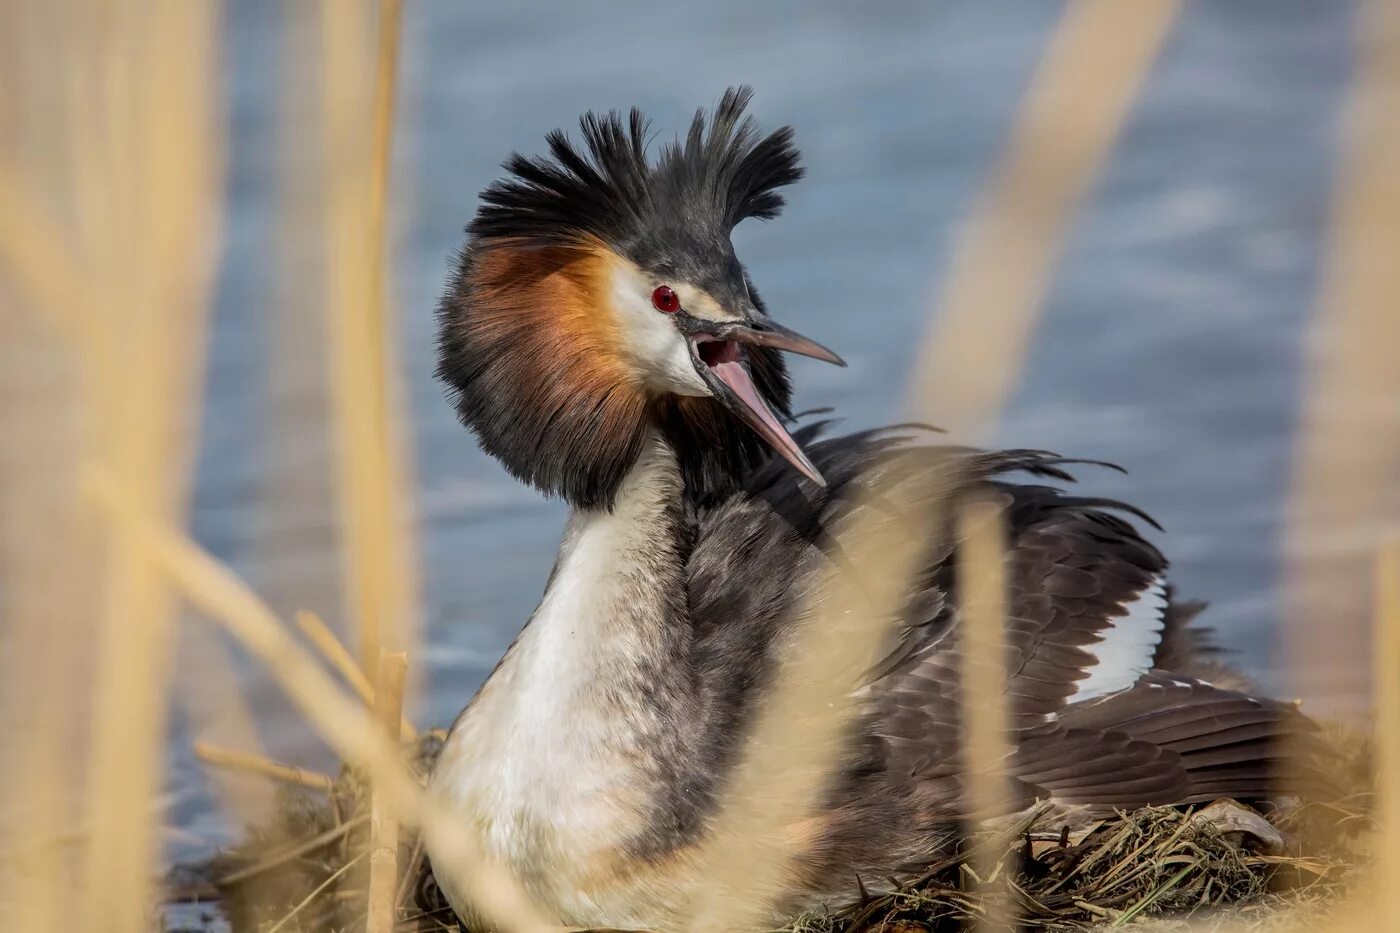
[256, 764]
[382, 904]
[300, 849]
[315, 891]
[324, 641]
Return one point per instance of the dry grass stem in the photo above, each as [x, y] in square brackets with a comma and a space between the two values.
[156, 164]
[301, 848]
[1386, 661]
[250, 763]
[383, 826]
[335, 876]
[798, 731]
[982, 583]
[1348, 447]
[209, 691]
[371, 459]
[324, 641]
[801, 726]
[1348, 451]
[38, 261]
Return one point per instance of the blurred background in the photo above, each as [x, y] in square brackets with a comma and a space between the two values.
[1174, 339]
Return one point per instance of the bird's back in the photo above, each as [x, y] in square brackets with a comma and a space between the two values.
[1108, 709]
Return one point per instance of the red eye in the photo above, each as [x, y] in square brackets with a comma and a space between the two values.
[665, 299]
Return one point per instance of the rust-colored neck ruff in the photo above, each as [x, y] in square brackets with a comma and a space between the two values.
[533, 363]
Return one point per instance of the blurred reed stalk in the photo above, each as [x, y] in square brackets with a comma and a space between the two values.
[383, 886]
[1005, 255]
[149, 168]
[1344, 498]
[981, 579]
[125, 279]
[250, 763]
[767, 817]
[1344, 485]
[42, 759]
[1386, 663]
[207, 688]
[296, 553]
[335, 654]
[371, 458]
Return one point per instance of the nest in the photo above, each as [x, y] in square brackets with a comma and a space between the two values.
[305, 872]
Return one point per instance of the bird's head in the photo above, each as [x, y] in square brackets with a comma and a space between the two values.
[599, 299]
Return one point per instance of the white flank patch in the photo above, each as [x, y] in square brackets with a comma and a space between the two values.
[1128, 645]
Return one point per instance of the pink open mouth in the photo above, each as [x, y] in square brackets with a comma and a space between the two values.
[718, 352]
[726, 360]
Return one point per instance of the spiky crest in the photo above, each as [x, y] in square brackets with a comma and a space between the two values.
[608, 190]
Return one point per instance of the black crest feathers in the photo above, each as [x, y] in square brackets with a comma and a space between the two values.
[722, 173]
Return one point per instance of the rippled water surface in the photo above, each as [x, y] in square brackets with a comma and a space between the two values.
[1170, 343]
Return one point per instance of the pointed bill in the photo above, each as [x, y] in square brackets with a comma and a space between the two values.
[744, 400]
[766, 332]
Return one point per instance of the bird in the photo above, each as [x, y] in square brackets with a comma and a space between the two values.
[602, 340]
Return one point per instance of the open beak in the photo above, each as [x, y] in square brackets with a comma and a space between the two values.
[722, 359]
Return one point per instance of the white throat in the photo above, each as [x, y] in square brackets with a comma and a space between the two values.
[548, 766]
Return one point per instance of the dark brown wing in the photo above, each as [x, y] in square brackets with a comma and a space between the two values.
[1229, 743]
[1086, 612]
[1094, 726]
[1086, 600]
[1089, 618]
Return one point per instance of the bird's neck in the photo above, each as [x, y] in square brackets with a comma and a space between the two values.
[615, 607]
[568, 745]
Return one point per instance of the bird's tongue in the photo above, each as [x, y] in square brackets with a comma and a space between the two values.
[760, 417]
[734, 375]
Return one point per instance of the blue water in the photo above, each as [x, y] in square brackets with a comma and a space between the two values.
[1171, 342]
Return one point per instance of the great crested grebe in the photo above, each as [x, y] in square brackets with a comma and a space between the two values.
[604, 342]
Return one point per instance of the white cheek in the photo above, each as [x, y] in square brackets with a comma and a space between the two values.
[650, 339]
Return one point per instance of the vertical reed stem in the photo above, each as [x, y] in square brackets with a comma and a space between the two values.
[1348, 450]
[982, 583]
[1386, 661]
[378, 567]
[383, 822]
[156, 166]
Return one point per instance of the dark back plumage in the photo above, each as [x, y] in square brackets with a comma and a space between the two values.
[1074, 567]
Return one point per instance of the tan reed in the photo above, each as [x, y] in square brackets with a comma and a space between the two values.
[382, 906]
[371, 458]
[250, 763]
[982, 583]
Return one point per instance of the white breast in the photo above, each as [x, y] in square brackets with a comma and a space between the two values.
[542, 765]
